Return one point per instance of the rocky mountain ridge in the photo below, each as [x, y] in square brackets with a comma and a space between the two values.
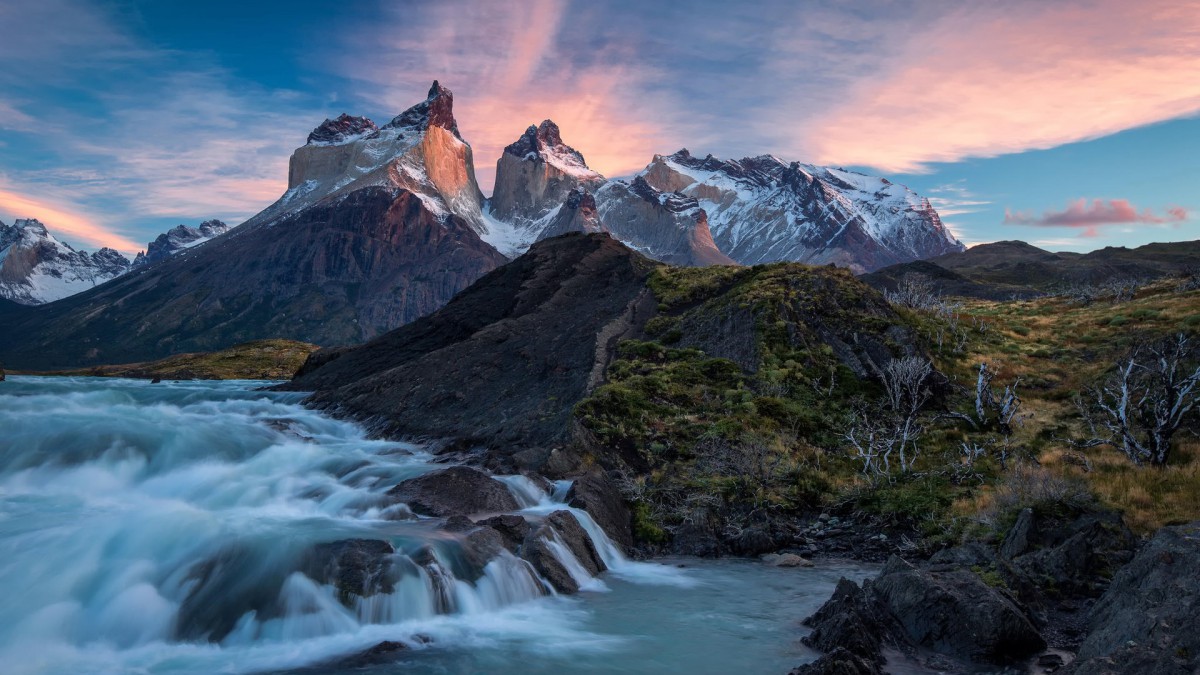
[35, 267]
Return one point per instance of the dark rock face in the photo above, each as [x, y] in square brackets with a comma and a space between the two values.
[513, 529]
[947, 610]
[953, 612]
[561, 527]
[332, 132]
[1146, 622]
[346, 271]
[504, 363]
[597, 495]
[458, 490]
[356, 567]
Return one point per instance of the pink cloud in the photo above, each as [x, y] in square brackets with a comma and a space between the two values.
[63, 220]
[1091, 216]
[503, 62]
[990, 79]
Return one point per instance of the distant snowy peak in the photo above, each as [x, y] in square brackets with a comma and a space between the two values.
[420, 150]
[762, 209]
[344, 129]
[36, 268]
[177, 239]
[666, 226]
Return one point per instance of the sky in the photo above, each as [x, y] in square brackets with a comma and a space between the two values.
[1071, 125]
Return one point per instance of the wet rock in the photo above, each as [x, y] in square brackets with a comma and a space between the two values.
[597, 495]
[356, 567]
[454, 491]
[1146, 621]
[838, 662]
[849, 621]
[384, 652]
[754, 541]
[514, 530]
[561, 526]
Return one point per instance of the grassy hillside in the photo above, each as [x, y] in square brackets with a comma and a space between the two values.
[258, 360]
[734, 409]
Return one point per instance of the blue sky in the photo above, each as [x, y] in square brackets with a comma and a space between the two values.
[1072, 125]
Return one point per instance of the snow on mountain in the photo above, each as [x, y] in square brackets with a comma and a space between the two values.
[534, 176]
[177, 239]
[420, 150]
[36, 268]
[762, 209]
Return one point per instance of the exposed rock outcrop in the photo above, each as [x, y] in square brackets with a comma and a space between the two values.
[179, 238]
[535, 174]
[458, 490]
[597, 495]
[561, 529]
[1146, 621]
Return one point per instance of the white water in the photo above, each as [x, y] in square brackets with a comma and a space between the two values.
[116, 496]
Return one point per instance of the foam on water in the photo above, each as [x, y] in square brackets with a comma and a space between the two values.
[138, 520]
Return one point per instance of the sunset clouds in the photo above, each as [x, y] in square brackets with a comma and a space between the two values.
[1091, 216]
[133, 118]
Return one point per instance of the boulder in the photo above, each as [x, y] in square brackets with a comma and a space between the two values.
[513, 528]
[1146, 622]
[597, 495]
[455, 491]
[955, 613]
[786, 560]
[849, 621]
[563, 527]
[356, 567]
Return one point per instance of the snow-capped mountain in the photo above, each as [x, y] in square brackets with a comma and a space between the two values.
[419, 151]
[544, 188]
[36, 268]
[379, 226]
[177, 239]
[762, 209]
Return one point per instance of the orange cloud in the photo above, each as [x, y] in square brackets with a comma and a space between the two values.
[1091, 217]
[991, 79]
[507, 71]
[63, 220]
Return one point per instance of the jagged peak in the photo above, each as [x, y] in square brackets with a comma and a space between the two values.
[436, 110]
[31, 224]
[545, 141]
[579, 199]
[343, 129]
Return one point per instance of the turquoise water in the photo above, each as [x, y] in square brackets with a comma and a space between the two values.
[113, 493]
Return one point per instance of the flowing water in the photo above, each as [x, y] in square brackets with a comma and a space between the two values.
[158, 528]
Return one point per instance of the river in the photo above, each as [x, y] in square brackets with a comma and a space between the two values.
[114, 493]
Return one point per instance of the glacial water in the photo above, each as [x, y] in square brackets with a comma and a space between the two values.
[139, 521]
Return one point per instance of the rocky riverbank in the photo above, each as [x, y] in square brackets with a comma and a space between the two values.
[1075, 595]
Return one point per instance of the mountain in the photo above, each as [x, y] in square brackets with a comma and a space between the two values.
[503, 367]
[544, 188]
[761, 209]
[177, 239]
[36, 268]
[378, 227]
[1003, 269]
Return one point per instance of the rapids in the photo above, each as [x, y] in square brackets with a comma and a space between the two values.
[156, 528]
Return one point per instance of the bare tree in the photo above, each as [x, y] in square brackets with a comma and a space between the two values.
[1146, 399]
[993, 408]
[895, 427]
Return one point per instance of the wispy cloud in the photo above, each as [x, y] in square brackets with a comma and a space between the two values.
[989, 79]
[1099, 212]
[512, 64]
[68, 219]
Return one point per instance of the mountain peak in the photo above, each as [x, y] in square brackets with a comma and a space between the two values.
[344, 129]
[31, 224]
[538, 138]
[437, 110]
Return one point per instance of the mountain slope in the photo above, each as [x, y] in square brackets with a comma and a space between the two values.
[1004, 268]
[36, 268]
[761, 209]
[504, 364]
[378, 228]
